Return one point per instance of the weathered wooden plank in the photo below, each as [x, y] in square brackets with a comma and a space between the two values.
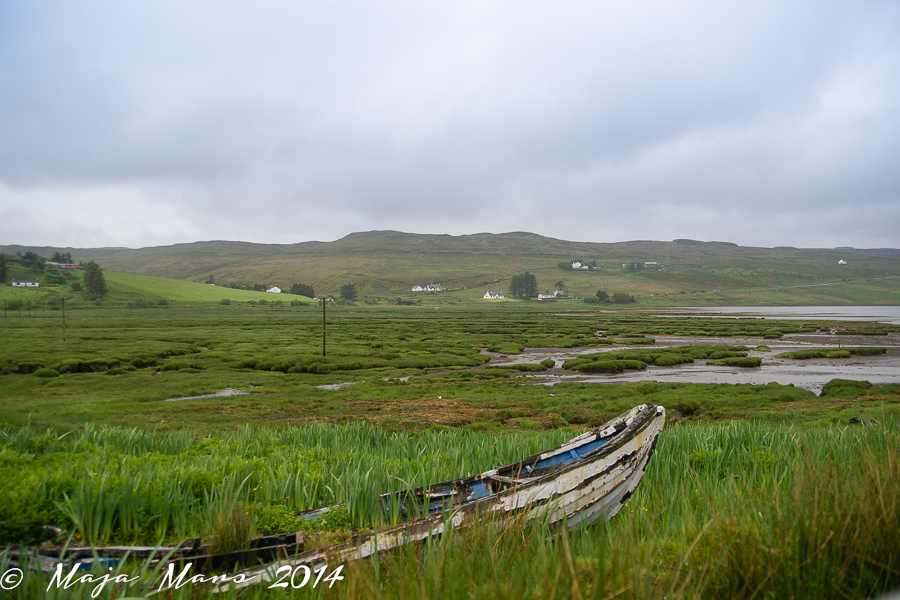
[577, 489]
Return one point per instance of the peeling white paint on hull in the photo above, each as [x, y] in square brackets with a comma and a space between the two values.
[590, 476]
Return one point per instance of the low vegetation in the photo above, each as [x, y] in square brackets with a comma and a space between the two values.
[839, 353]
[750, 492]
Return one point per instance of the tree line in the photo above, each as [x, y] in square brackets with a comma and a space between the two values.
[523, 286]
[616, 298]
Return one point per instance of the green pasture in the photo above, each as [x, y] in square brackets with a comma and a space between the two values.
[186, 291]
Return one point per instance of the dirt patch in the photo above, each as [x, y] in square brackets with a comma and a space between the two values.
[452, 412]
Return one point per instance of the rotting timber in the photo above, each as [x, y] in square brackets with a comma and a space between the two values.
[590, 476]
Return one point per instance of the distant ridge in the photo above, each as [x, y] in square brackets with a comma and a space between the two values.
[872, 251]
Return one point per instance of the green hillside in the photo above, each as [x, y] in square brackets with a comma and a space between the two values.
[130, 287]
[386, 264]
[124, 284]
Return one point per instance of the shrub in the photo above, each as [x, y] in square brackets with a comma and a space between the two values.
[612, 366]
[275, 519]
[668, 360]
[47, 373]
[225, 301]
[549, 363]
[737, 361]
[622, 298]
[845, 387]
[867, 351]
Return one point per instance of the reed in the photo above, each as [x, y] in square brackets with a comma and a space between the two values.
[741, 509]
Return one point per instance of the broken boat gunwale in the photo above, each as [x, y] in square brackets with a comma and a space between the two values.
[611, 471]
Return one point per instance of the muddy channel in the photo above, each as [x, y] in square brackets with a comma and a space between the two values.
[808, 374]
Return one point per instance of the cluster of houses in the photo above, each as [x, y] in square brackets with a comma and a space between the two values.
[498, 295]
[431, 287]
[553, 295]
[651, 265]
[25, 283]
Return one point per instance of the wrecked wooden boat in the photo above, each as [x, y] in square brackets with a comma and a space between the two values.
[588, 477]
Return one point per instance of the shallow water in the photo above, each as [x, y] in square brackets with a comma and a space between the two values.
[807, 374]
[877, 314]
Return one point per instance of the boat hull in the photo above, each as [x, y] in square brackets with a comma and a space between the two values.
[561, 486]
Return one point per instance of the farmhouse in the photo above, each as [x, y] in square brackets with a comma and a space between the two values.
[493, 294]
[554, 294]
[63, 265]
[273, 290]
[651, 265]
[577, 265]
[25, 283]
[434, 287]
[842, 262]
[417, 288]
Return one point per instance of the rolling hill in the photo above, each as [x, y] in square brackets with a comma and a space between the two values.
[387, 264]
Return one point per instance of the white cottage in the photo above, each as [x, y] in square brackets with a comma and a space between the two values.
[417, 288]
[554, 294]
[273, 290]
[25, 283]
[493, 294]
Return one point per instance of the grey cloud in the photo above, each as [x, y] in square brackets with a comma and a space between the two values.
[458, 118]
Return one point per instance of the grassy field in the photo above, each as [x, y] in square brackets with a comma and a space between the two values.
[750, 492]
[128, 287]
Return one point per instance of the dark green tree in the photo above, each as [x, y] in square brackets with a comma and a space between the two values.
[54, 276]
[64, 258]
[93, 281]
[515, 286]
[3, 269]
[603, 296]
[622, 298]
[529, 282]
[302, 289]
[523, 286]
[349, 292]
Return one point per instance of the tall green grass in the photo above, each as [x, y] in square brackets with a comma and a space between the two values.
[737, 510]
[117, 485]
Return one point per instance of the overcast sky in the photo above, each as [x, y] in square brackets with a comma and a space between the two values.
[145, 123]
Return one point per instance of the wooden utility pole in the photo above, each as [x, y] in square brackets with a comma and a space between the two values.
[64, 317]
[323, 326]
